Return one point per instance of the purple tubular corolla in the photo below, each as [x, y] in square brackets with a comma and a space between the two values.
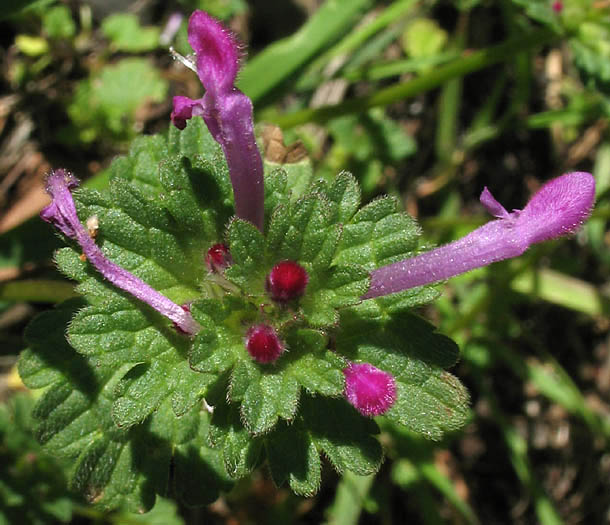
[226, 111]
[62, 214]
[557, 208]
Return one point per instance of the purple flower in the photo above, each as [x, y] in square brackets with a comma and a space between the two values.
[171, 28]
[558, 208]
[370, 390]
[62, 214]
[226, 111]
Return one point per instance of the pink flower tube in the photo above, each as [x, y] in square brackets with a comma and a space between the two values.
[62, 214]
[558, 208]
[226, 111]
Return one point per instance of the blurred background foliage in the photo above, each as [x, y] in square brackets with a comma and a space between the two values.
[428, 100]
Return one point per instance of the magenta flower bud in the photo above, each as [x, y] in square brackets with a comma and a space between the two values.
[558, 6]
[370, 390]
[263, 343]
[62, 214]
[226, 111]
[557, 208]
[218, 258]
[287, 281]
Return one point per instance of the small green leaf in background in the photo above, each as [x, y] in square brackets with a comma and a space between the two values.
[57, 22]
[424, 38]
[14, 7]
[27, 472]
[222, 9]
[105, 105]
[126, 34]
[32, 46]
[591, 47]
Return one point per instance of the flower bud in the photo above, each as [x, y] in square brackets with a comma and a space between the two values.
[263, 343]
[218, 258]
[370, 390]
[287, 281]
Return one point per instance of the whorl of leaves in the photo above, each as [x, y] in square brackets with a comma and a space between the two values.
[124, 392]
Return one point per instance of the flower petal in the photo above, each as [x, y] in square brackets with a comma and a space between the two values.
[558, 208]
[217, 52]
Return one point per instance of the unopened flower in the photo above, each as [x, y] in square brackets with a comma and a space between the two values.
[62, 214]
[226, 111]
[370, 390]
[263, 343]
[287, 281]
[557, 6]
[218, 258]
[558, 208]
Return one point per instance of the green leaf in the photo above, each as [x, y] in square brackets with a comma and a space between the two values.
[270, 392]
[293, 457]
[340, 286]
[247, 246]
[346, 438]
[105, 105]
[377, 235]
[423, 38]
[125, 33]
[430, 401]
[239, 451]
[273, 396]
[57, 22]
[286, 182]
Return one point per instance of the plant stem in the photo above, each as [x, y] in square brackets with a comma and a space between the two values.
[37, 291]
[458, 68]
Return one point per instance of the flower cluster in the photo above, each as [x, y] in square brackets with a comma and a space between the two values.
[558, 208]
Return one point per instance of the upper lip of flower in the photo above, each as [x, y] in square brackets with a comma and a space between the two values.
[227, 112]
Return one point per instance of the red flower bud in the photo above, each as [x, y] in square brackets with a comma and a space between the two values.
[218, 258]
[263, 343]
[287, 281]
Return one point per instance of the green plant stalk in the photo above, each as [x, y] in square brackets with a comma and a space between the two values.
[458, 68]
[445, 486]
[395, 68]
[561, 289]
[517, 449]
[37, 291]
[351, 493]
[282, 59]
[450, 103]
[356, 39]
[313, 76]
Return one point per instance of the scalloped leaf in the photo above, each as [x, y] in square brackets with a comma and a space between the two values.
[430, 401]
[345, 438]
